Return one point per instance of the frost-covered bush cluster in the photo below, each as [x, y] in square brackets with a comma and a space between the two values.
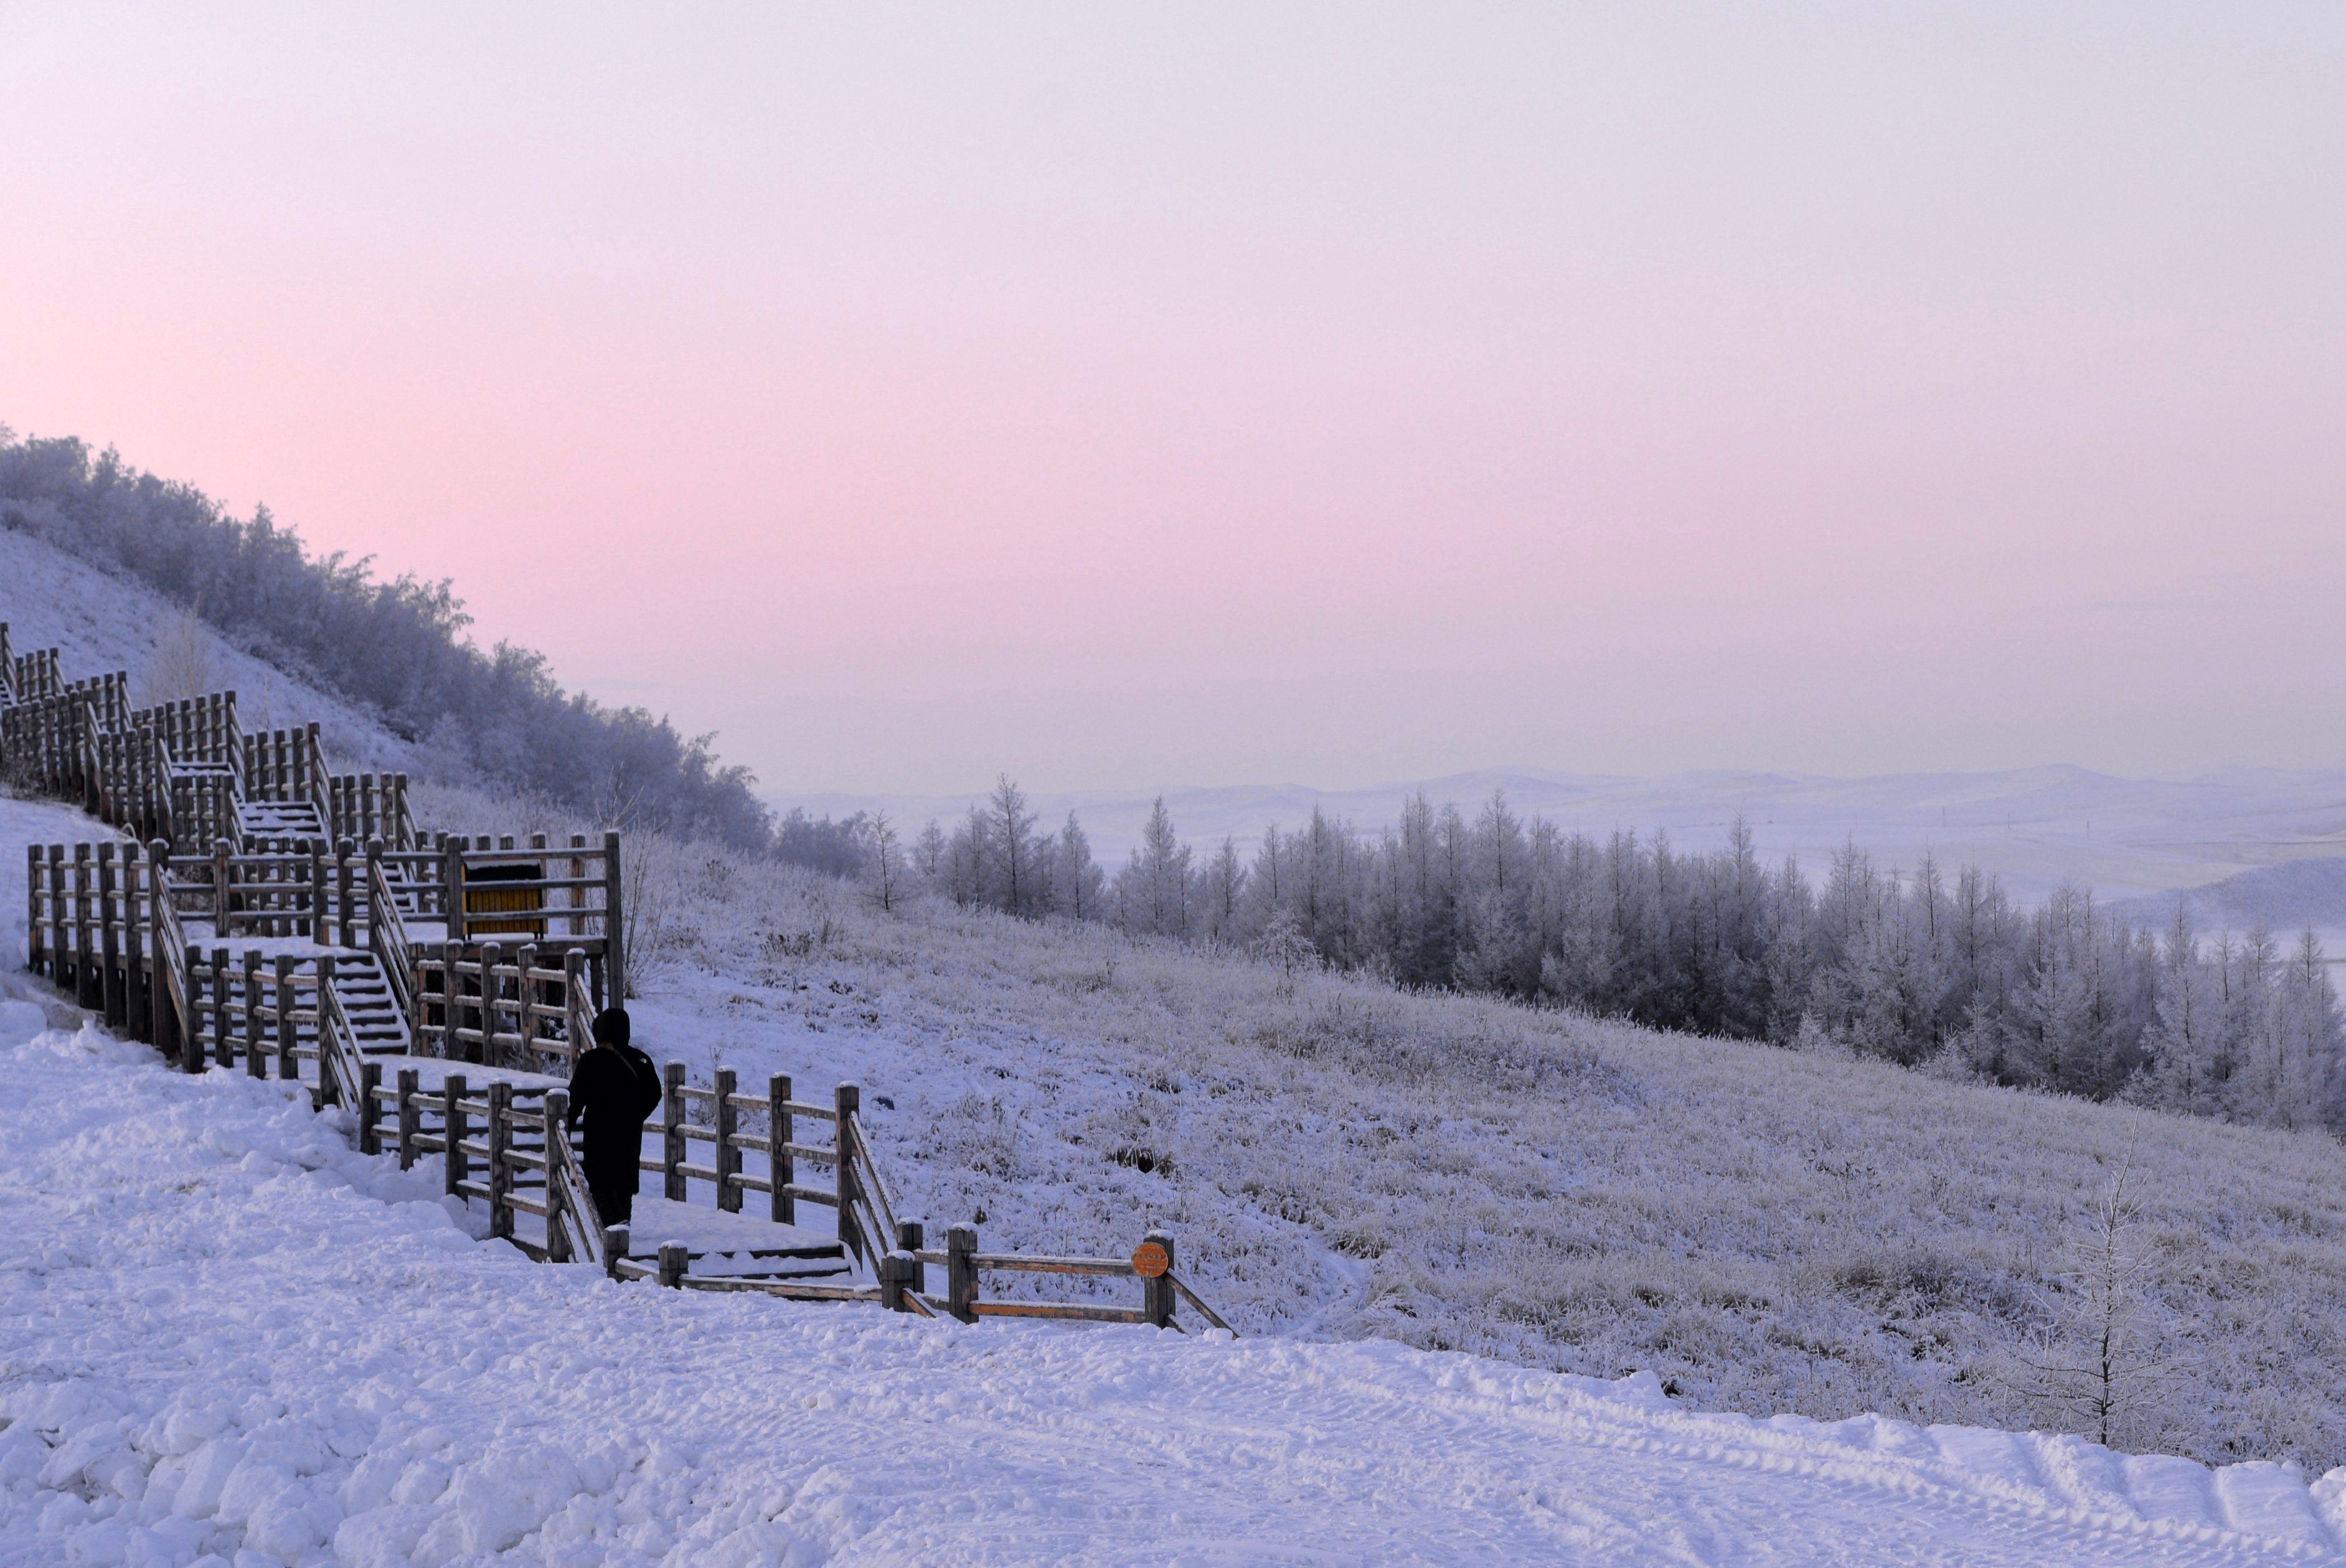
[1917, 969]
[397, 648]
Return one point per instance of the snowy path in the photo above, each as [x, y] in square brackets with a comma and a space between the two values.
[222, 1330]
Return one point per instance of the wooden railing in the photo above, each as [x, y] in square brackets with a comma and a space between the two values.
[254, 1012]
[368, 806]
[285, 764]
[200, 731]
[1151, 1263]
[95, 925]
[549, 893]
[780, 1143]
[49, 744]
[499, 1012]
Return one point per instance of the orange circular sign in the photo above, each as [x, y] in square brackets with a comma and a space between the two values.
[1148, 1260]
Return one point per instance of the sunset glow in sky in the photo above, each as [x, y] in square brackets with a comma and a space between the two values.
[1188, 395]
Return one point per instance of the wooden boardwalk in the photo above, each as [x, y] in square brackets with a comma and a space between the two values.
[256, 911]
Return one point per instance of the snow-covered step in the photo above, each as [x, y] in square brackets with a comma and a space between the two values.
[279, 819]
[368, 1002]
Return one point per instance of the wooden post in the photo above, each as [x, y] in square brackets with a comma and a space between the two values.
[220, 850]
[500, 1130]
[558, 1219]
[370, 1080]
[223, 1029]
[844, 1100]
[452, 1128]
[343, 850]
[85, 890]
[255, 1058]
[961, 1272]
[614, 1247]
[163, 1027]
[60, 916]
[673, 1260]
[491, 955]
[191, 1047]
[895, 1271]
[1156, 1296]
[330, 1088]
[320, 896]
[374, 879]
[779, 1168]
[672, 1127]
[525, 997]
[135, 957]
[451, 896]
[289, 1065]
[408, 1116]
[109, 940]
[614, 923]
[575, 926]
[728, 1154]
[35, 885]
[574, 987]
[908, 1242]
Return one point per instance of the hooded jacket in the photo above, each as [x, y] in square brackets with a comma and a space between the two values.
[613, 1088]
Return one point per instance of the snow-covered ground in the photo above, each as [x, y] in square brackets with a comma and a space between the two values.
[228, 1339]
[224, 1334]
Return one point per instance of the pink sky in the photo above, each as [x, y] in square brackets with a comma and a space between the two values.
[1197, 395]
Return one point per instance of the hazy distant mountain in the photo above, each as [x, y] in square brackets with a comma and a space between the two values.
[2288, 897]
[2036, 827]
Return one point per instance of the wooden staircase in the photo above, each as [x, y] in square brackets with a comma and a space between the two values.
[263, 821]
[369, 1004]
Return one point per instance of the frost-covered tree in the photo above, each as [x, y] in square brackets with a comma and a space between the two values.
[1081, 881]
[1155, 893]
[886, 862]
[1928, 968]
[1012, 827]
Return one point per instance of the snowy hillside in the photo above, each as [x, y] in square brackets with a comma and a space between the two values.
[2035, 827]
[1766, 1230]
[228, 1337]
[102, 623]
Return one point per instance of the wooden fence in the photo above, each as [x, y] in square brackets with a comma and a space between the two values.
[363, 806]
[902, 1275]
[284, 765]
[47, 743]
[534, 893]
[26, 676]
[94, 927]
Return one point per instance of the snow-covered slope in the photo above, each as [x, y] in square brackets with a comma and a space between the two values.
[227, 1337]
[101, 624]
[1767, 1230]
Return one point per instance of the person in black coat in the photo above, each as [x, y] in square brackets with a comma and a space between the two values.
[612, 1088]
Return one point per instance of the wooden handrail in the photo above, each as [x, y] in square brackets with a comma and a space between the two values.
[1194, 1299]
[387, 936]
[567, 1189]
[872, 1182]
[338, 1047]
